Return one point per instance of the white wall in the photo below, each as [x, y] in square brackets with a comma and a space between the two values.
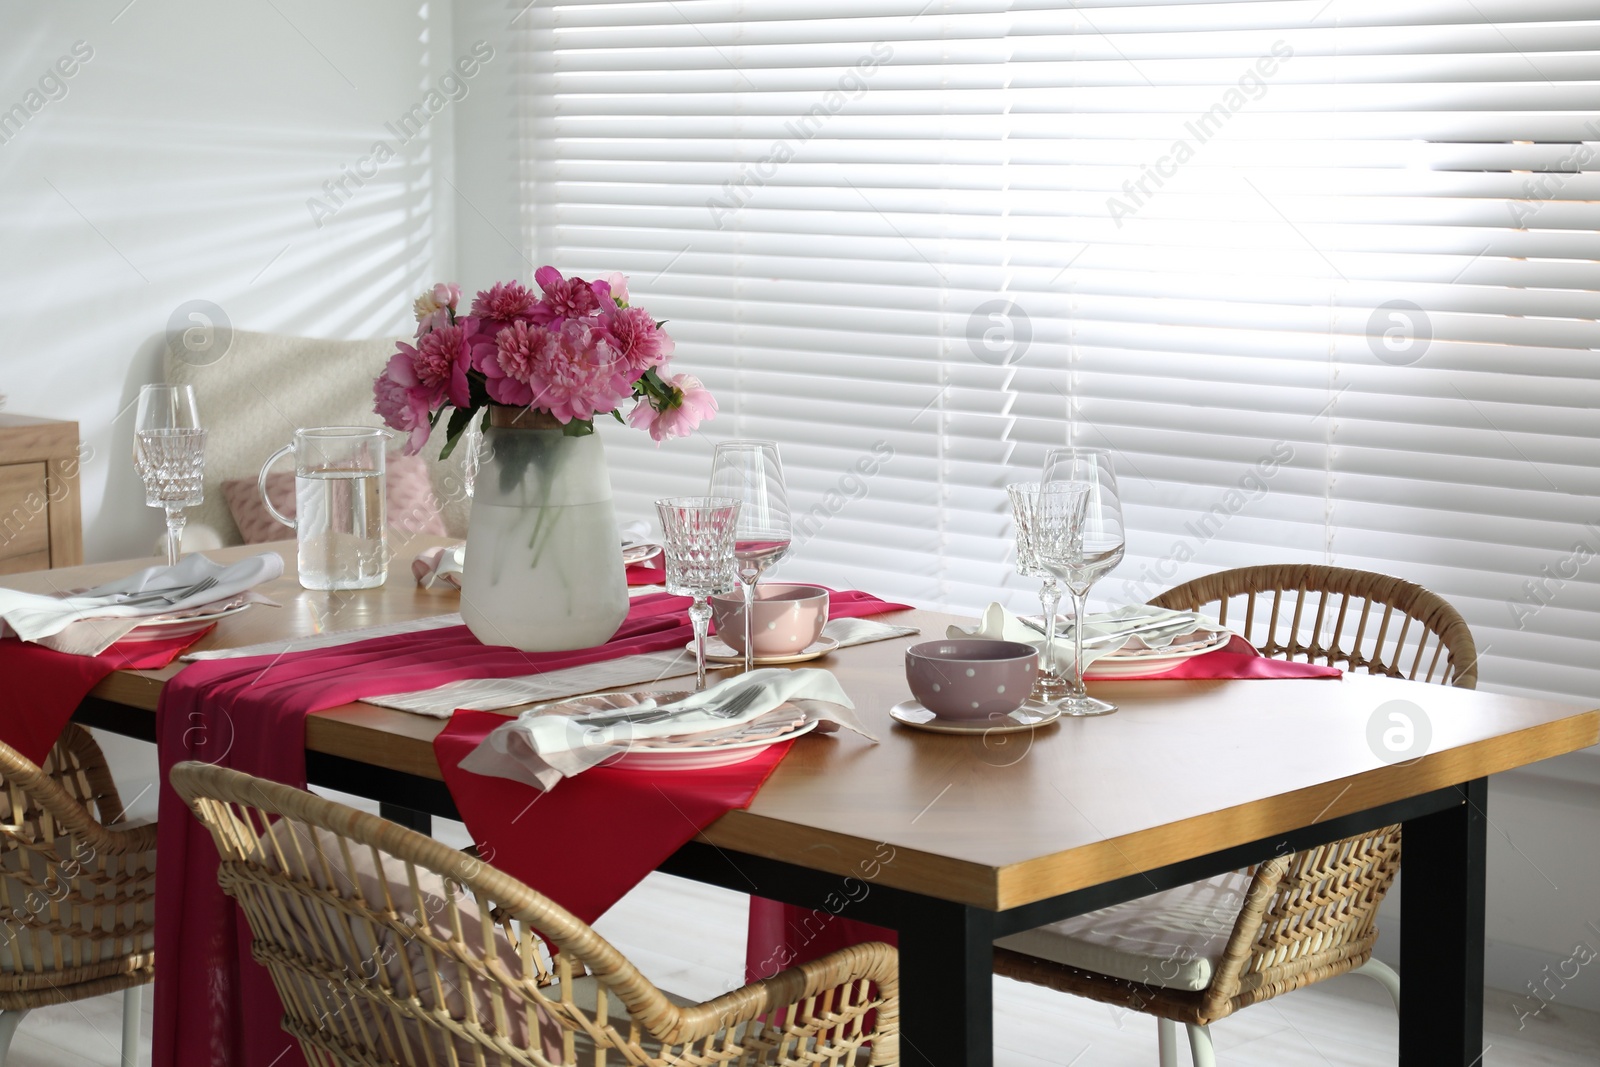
[177, 166]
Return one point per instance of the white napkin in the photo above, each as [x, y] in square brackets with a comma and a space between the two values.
[98, 624]
[437, 568]
[998, 624]
[539, 749]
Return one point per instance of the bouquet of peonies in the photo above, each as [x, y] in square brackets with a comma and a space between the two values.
[575, 350]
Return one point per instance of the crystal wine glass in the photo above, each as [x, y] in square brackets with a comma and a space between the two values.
[749, 472]
[1079, 539]
[697, 533]
[169, 454]
[1024, 502]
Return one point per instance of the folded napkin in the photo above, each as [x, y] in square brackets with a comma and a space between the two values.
[440, 568]
[96, 620]
[539, 748]
[998, 624]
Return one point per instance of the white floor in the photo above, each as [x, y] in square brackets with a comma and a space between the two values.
[700, 953]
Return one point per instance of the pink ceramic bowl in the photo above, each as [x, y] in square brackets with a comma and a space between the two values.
[971, 678]
[787, 618]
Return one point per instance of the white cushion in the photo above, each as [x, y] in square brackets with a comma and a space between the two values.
[1172, 940]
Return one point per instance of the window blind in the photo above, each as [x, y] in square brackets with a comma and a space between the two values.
[1322, 275]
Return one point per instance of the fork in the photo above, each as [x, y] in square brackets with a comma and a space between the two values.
[731, 710]
[171, 596]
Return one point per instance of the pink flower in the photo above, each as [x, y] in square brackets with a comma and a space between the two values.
[508, 362]
[567, 298]
[638, 342]
[432, 321]
[580, 376]
[506, 302]
[691, 404]
[440, 363]
[401, 403]
[618, 285]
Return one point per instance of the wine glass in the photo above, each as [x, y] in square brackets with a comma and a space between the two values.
[749, 472]
[697, 533]
[169, 454]
[1079, 539]
[1024, 502]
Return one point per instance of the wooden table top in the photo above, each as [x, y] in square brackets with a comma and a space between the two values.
[1184, 769]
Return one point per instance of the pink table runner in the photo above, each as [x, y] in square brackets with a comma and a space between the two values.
[774, 940]
[214, 1005]
[43, 687]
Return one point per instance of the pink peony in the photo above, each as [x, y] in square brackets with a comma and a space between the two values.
[506, 302]
[433, 320]
[580, 376]
[440, 361]
[508, 363]
[691, 404]
[568, 298]
[618, 286]
[401, 402]
[638, 342]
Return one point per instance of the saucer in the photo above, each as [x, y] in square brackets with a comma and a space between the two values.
[1033, 713]
[719, 651]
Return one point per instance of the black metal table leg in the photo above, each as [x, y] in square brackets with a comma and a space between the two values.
[946, 984]
[411, 819]
[1442, 933]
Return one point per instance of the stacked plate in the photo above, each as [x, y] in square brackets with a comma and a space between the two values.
[1137, 660]
[717, 747]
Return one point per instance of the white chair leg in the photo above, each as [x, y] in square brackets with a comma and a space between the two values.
[1200, 1045]
[131, 998]
[1166, 1037]
[1384, 975]
[9, 1020]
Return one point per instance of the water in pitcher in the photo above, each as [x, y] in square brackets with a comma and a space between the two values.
[343, 540]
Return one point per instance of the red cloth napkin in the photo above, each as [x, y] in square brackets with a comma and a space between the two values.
[588, 841]
[652, 571]
[774, 938]
[43, 687]
[213, 1003]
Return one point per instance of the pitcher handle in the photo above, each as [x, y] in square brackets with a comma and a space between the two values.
[261, 484]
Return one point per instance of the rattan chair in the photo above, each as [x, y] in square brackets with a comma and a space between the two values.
[77, 888]
[388, 947]
[1200, 953]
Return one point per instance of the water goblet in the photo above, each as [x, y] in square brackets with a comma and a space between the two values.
[1024, 501]
[1079, 539]
[697, 533]
[169, 454]
[749, 472]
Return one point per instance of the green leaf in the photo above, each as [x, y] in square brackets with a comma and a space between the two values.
[459, 419]
[615, 414]
[578, 428]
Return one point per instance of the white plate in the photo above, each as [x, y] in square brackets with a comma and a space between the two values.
[719, 651]
[159, 629]
[1151, 662]
[639, 551]
[673, 753]
[1033, 713]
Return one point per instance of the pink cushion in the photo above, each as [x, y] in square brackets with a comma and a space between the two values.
[410, 505]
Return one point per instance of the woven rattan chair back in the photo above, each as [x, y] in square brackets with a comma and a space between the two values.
[77, 888]
[388, 947]
[1338, 616]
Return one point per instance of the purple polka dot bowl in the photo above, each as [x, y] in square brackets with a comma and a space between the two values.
[971, 678]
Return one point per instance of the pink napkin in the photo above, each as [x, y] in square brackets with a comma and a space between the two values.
[1237, 659]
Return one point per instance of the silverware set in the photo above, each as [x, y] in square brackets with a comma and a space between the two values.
[1157, 628]
[737, 705]
[170, 594]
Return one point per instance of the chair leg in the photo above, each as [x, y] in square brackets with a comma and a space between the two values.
[9, 1020]
[1384, 975]
[1167, 1039]
[131, 998]
[1200, 1045]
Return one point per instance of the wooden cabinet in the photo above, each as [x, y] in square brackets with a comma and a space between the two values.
[41, 524]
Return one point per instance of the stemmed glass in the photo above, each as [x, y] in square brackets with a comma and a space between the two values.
[1024, 502]
[169, 454]
[749, 472]
[697, 533]
[1079, 539]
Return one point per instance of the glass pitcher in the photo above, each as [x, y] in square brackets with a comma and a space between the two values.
[339, 519]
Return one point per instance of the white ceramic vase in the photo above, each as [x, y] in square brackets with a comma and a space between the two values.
[543, 569]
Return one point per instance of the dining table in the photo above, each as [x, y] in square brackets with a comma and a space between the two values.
[955, 841]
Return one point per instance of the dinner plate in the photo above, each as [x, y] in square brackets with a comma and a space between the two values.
[719, 651]
[1151, 662]
[159, 629]
[1033, 713]
[639, 551]
[720, 747]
